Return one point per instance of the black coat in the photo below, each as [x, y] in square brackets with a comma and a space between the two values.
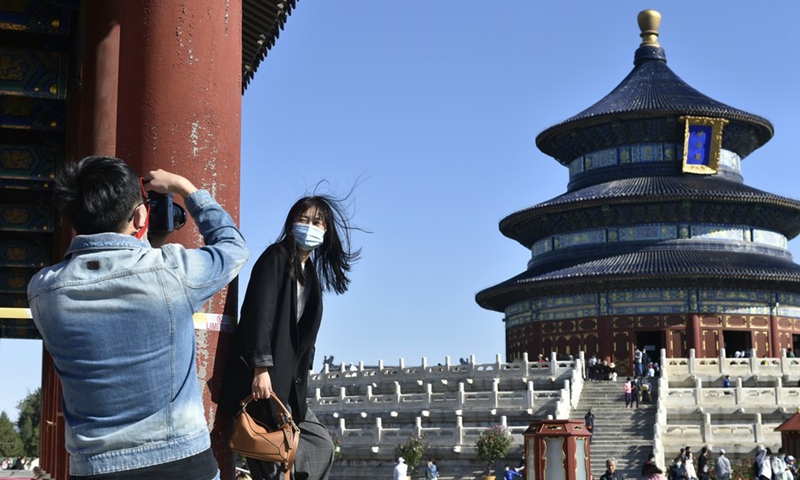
[268, 336]
[677, 473]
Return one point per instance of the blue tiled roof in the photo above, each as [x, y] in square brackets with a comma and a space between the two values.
[526, 225]
[651, 91]
[640, 269]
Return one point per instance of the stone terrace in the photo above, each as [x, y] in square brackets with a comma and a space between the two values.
[694, 409]
[372, 410]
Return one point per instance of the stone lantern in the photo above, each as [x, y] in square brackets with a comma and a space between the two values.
[557, 450]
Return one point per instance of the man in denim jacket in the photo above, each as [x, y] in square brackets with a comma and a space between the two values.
[116, 316]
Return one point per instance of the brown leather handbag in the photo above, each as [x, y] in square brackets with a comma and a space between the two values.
[255, 440]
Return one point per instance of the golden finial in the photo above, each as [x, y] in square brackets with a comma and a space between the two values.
[649, 21]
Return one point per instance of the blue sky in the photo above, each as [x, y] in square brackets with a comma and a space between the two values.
[435, 106]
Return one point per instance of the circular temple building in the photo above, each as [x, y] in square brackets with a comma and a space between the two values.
[657, 242]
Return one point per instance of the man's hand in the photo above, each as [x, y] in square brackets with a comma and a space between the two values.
[162, 181]
[262, 384]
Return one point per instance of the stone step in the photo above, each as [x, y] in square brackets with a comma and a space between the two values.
[625, 434]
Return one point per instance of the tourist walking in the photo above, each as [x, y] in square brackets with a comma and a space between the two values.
[511, 474]
[723, 466]
[611, 470]
[691, 471]
[627, 387]
[431, 472]
[778, 466]
[588, 420]
[637, 361]
[651, 461]
[762, 463]
[273, 349]
[401, 469]
[702, 464]
[652, 472]
[791, 466]
[677, 471]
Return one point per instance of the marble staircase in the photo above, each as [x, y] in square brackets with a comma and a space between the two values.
[620, 433]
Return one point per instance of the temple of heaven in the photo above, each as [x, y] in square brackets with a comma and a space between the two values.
[657, 242]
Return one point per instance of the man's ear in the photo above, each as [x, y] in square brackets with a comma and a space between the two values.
[140, 218]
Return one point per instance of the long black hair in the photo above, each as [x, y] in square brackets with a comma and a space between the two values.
[334, 258]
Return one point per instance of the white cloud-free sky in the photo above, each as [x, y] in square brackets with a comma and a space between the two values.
[435, 107]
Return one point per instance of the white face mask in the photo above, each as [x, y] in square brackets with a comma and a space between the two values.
[308, 236]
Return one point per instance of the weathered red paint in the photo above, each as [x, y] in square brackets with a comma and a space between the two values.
[100, 78]
[161, 89]
[180, 110]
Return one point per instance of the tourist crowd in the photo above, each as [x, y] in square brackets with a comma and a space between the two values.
[688, 466]
[19, 463]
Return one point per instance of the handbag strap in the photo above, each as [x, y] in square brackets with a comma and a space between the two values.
[287, 419]
[281, 407]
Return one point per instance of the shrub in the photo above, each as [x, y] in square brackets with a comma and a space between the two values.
[412, 452]
[337, 445]
[742, 470]
[493, 444]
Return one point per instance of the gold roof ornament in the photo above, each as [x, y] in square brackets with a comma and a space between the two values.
[649, 21]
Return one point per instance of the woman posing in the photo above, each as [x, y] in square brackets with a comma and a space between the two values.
[273, 350]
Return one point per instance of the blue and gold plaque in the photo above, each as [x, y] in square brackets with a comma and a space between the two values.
[702, 142]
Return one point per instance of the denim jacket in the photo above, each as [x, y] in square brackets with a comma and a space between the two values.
[116, 316]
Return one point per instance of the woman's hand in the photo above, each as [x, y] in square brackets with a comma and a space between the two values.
[262, 384]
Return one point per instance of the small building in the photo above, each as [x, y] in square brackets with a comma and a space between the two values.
[790, 434]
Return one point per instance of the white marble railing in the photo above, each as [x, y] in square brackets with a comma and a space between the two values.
[742, 407]
[455, 436]
[734, 397]
[430, 400]
[361, 375]
[450, 434]
[680, 368]
[748, 433]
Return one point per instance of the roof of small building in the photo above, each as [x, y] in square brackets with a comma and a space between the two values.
[792, 424]
[262, 22]
[651, 91]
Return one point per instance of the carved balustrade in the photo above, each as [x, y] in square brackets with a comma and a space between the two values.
[478, 395]
[455, 434]
[361, 375]
[727, 417]
[430, 400]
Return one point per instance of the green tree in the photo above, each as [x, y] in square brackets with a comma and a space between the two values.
[30, 409]
[412, 452]
[493, 444]
[10, 443]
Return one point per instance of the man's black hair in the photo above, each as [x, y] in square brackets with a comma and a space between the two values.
[97, 194]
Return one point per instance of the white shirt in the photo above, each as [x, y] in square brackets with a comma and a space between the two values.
[400, 471]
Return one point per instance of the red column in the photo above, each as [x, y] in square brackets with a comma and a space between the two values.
[179, 108]
[605, 340]
[100, 76]
[774, 336]
[52, 456]
[91, 130]
[696, 339]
